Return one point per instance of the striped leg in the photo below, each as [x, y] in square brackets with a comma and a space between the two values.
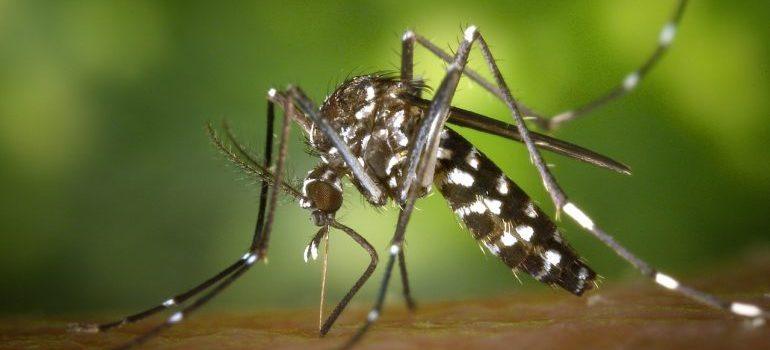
[247, 258]
[561, 201]
[310, 195]
[421, 164]
[630, 82]
[264, 223]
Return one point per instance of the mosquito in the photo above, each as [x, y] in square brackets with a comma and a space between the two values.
[393, 145]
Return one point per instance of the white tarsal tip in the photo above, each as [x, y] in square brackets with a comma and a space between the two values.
[630, 81]
[666, 281]
[169, 303]
[394, 249]
[175, 318]
[408, 35]
[667, 34]
[747, 310]
[271, 92]
[579, 216]
[470, 32]
[525, 231]
[373, 315]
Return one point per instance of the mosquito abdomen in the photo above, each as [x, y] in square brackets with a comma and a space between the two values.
[503, 218]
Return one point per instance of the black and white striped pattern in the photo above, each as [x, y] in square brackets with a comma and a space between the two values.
[503, 218]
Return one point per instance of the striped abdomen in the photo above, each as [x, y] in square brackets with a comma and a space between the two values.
[503, 218]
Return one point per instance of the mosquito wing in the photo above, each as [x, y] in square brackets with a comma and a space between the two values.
[468, 119]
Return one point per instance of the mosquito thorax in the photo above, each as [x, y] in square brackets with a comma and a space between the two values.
[372, 115]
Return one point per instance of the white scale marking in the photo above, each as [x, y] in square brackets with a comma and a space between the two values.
[252, 258]
[314, 251]
[494, 205]
[369, 93]
[630, 82]
[552, 257]
[175, 318]
[398, 119]
[394, 249]
[667, 34]
[444, 153]
[401, 139]
[666, 281]
[271, 93]
[366, 111]
[392, 162]
[392, 182]
[373, 316]
[502, 185]
[407, 35]
[476, 207]
[579, 216]
[508, 239]
[459, 177]
[169, 303]
[347, 133]
[747, 310]
[470, 32]
[472, 159]
[525, 232]
[582, 275]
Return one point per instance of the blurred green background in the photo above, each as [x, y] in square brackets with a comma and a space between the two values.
[113, 198]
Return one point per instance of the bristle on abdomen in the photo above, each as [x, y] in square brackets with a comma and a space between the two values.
[503, 218]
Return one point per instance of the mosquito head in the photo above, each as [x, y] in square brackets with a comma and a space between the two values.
[322, 191]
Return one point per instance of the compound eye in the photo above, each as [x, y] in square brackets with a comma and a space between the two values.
[324, 196]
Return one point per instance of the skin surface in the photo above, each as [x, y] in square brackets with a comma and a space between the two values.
[628, 315]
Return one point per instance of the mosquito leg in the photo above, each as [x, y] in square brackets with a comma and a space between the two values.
[407, 74]
[421, 163]
[407, 56]
[359, 283]
[265, 173]
[250, 258]
[561, 201]
[410, 303]
[627, 85]
[183, 297]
